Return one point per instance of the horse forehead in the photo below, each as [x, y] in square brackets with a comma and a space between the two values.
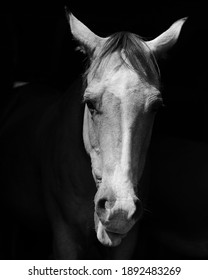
[128, 92]
[120, 83]
[119, 79]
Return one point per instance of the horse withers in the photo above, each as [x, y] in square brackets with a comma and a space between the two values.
[83, 158]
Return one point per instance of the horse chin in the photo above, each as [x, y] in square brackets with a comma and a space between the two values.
[107, 238]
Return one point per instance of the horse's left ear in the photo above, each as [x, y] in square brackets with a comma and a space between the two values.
[88, 40]
[167, 39]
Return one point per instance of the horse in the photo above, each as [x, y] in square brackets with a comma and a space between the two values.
[73, 166]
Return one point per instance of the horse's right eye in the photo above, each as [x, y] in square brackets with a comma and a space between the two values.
[91, 107]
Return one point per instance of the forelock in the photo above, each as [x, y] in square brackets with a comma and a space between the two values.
[136, 52]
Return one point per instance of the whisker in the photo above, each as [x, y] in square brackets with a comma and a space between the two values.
[147, 210]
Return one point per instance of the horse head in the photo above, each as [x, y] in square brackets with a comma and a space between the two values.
[121, 98]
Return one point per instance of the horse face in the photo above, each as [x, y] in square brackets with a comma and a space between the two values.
[121, 97]
[118, 121]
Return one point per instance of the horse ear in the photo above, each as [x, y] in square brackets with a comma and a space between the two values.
[167, 39]
[87, 39]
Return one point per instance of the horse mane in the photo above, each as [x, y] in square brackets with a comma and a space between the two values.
[141, 59]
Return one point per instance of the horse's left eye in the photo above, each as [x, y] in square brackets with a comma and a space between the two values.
[156, 105]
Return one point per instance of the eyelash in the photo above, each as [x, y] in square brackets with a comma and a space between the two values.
[90, 106]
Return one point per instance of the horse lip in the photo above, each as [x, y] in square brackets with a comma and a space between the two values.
[111, 229]
[115, 234]
[120, 231]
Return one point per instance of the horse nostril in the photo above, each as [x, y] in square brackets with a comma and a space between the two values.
[100, 208]
[103, 205]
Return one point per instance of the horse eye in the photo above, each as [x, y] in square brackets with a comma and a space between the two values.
[90, 106]
[156, 106]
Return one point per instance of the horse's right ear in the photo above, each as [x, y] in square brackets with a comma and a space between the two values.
[88, 40]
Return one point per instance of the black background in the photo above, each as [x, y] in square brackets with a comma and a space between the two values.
[36, 46]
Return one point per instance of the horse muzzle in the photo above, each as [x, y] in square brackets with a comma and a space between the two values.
[115, 218]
